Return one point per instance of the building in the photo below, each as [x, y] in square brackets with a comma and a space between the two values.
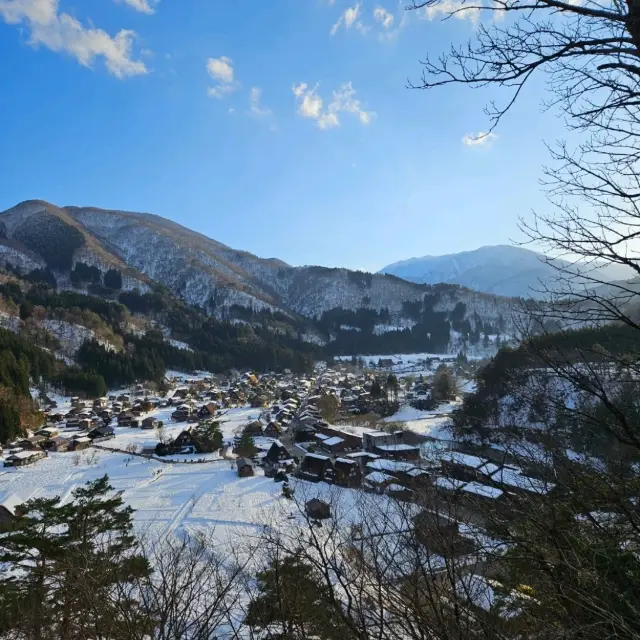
[244, 467]
[23, 458]
[373, 439]
[347, 472]
[315, 467]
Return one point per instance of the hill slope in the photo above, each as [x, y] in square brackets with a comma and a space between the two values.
[232, 284]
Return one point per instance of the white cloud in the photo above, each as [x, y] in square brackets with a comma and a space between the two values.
[460, 9]
[310, 105]
[255, 109]
[349, 19]
[221, 70]
[479, 139]
[383, 17]
[142, 6]
[63, 33]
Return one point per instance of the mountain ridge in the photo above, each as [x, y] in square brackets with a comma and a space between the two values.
[229, 283]
[500, 269]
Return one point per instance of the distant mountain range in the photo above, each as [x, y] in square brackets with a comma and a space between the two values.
[501, 269]
[148, 250]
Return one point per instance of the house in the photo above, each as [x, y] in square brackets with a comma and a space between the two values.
[462, 466]
[126, 419]
[207, 410]
[315, 467]
[373, 439]
[378, 481]
[398, 451]
[23, 458]
[57, 444]
[9, 511]
[273, 430]
[244, 467]
[78, 444]
[31, 444]
[185, 439]
[277, 452]
[347, 472]
[149, 423]
[317, 509]
[333, 444]
[99, 434]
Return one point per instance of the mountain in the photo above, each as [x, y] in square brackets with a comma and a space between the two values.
[501, 269]
[324, 305]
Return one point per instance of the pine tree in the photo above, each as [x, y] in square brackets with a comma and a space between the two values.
[245, 445]
[69, 557]
[293, 602]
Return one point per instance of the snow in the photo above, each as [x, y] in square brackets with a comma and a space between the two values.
[435, 424]
[180, 345]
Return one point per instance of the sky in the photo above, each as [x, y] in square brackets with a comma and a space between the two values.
[282, 127]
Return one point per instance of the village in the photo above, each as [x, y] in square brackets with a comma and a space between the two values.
[226, 452]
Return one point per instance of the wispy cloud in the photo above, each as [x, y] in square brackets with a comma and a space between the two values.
[479, 139]
[255, 108]
[384, 17]
[310, 105]
[349, 19]
[221, 71]
[142, 6]
[63, 33]
[460, 9]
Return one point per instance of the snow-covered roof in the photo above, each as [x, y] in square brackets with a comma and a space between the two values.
[321, 436]
[390, 465]
[11, 502]
[346, 461]
[377, 477]
[317, 456]
[451, 484]
[24, 455]
[333, 441]
[396, 447]
[455, 457]
[483, 490]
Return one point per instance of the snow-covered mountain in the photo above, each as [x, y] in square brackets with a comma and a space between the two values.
[146, 248]
[502, 269]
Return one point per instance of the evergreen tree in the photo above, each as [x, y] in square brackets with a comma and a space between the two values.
[294, 603]
[444, 384]
[245, 445]
[9, 420]
[376, 389]
[68, 557]
[208, 436]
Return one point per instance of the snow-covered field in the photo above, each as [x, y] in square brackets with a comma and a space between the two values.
[434, 424]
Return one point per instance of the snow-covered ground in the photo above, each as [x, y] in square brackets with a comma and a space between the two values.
[434, 424]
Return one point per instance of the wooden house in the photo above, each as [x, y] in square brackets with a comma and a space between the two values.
[149, 423]
[57, 444]
[347, 472]
[23, 458]
[78, 444]
[244, 467]
[100, 434]
[273, 430]
[9, 511]
[315, 467]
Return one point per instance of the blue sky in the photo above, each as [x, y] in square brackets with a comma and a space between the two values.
[283, 127]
